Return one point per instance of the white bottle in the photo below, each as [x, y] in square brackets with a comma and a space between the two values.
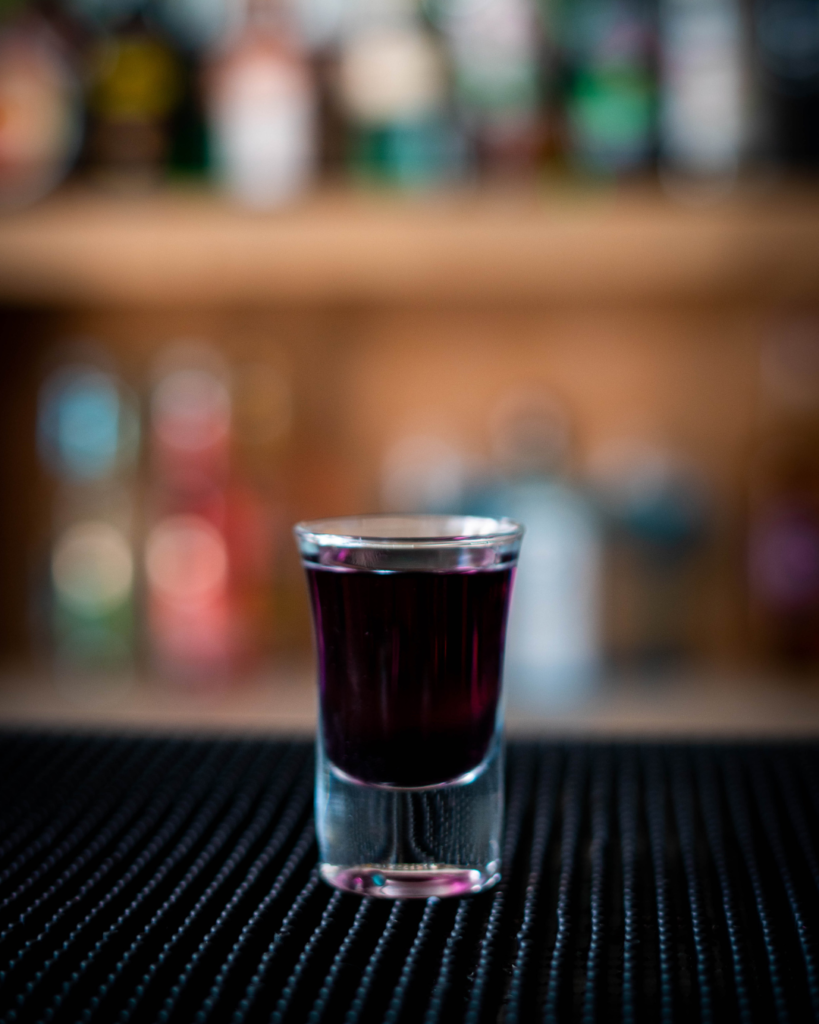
[553, 638]
[262, 111]
[393, 91]
[704, 123]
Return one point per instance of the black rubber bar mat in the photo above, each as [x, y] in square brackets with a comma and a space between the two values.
[174, 880]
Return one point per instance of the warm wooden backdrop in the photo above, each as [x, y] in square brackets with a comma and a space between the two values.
[646, 319]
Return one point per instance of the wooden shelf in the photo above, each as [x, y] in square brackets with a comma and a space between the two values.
[188, 248]
[284, 703]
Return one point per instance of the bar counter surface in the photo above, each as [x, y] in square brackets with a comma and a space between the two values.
[163, 878]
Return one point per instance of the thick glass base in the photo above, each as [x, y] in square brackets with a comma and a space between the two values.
[398, 842]
[398, 882]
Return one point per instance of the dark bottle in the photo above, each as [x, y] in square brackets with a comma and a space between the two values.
[787, 48]
[409, 670]
[135, 86]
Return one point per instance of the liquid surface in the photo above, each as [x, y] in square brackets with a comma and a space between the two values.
[409, 670]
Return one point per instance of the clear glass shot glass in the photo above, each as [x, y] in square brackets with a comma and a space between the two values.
[410, 616]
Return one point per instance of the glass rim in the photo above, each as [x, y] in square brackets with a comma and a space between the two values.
[341, 531]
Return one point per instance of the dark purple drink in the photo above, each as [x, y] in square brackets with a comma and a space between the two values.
[409, 670]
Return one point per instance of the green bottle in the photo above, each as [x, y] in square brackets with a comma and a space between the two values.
[393, 91]
[610, 98]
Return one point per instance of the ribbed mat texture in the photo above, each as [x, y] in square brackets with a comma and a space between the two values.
[151, 879]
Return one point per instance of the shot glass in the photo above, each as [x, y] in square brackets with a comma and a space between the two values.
[409, 615]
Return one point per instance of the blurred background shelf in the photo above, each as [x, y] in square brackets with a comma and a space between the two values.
[178, 248]
[284, 702]
[378, 321]
[475, 273]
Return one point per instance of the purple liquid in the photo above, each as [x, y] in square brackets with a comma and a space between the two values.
[409, 670]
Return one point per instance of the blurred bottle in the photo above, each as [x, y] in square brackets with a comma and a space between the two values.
[40, 109]
[704, 109]
[320, 24]
[135, 84]
[784, 519]
[263, 417]
[186, 558]
[610, 95]
[196, 25]
[553, 640]
[423, 472]
[787, 38]
[495, 49]
[193, 29]
[656, 504]
[189, 152]
[393, 90]
[262, 109]
[208, 542]
[88, 440]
